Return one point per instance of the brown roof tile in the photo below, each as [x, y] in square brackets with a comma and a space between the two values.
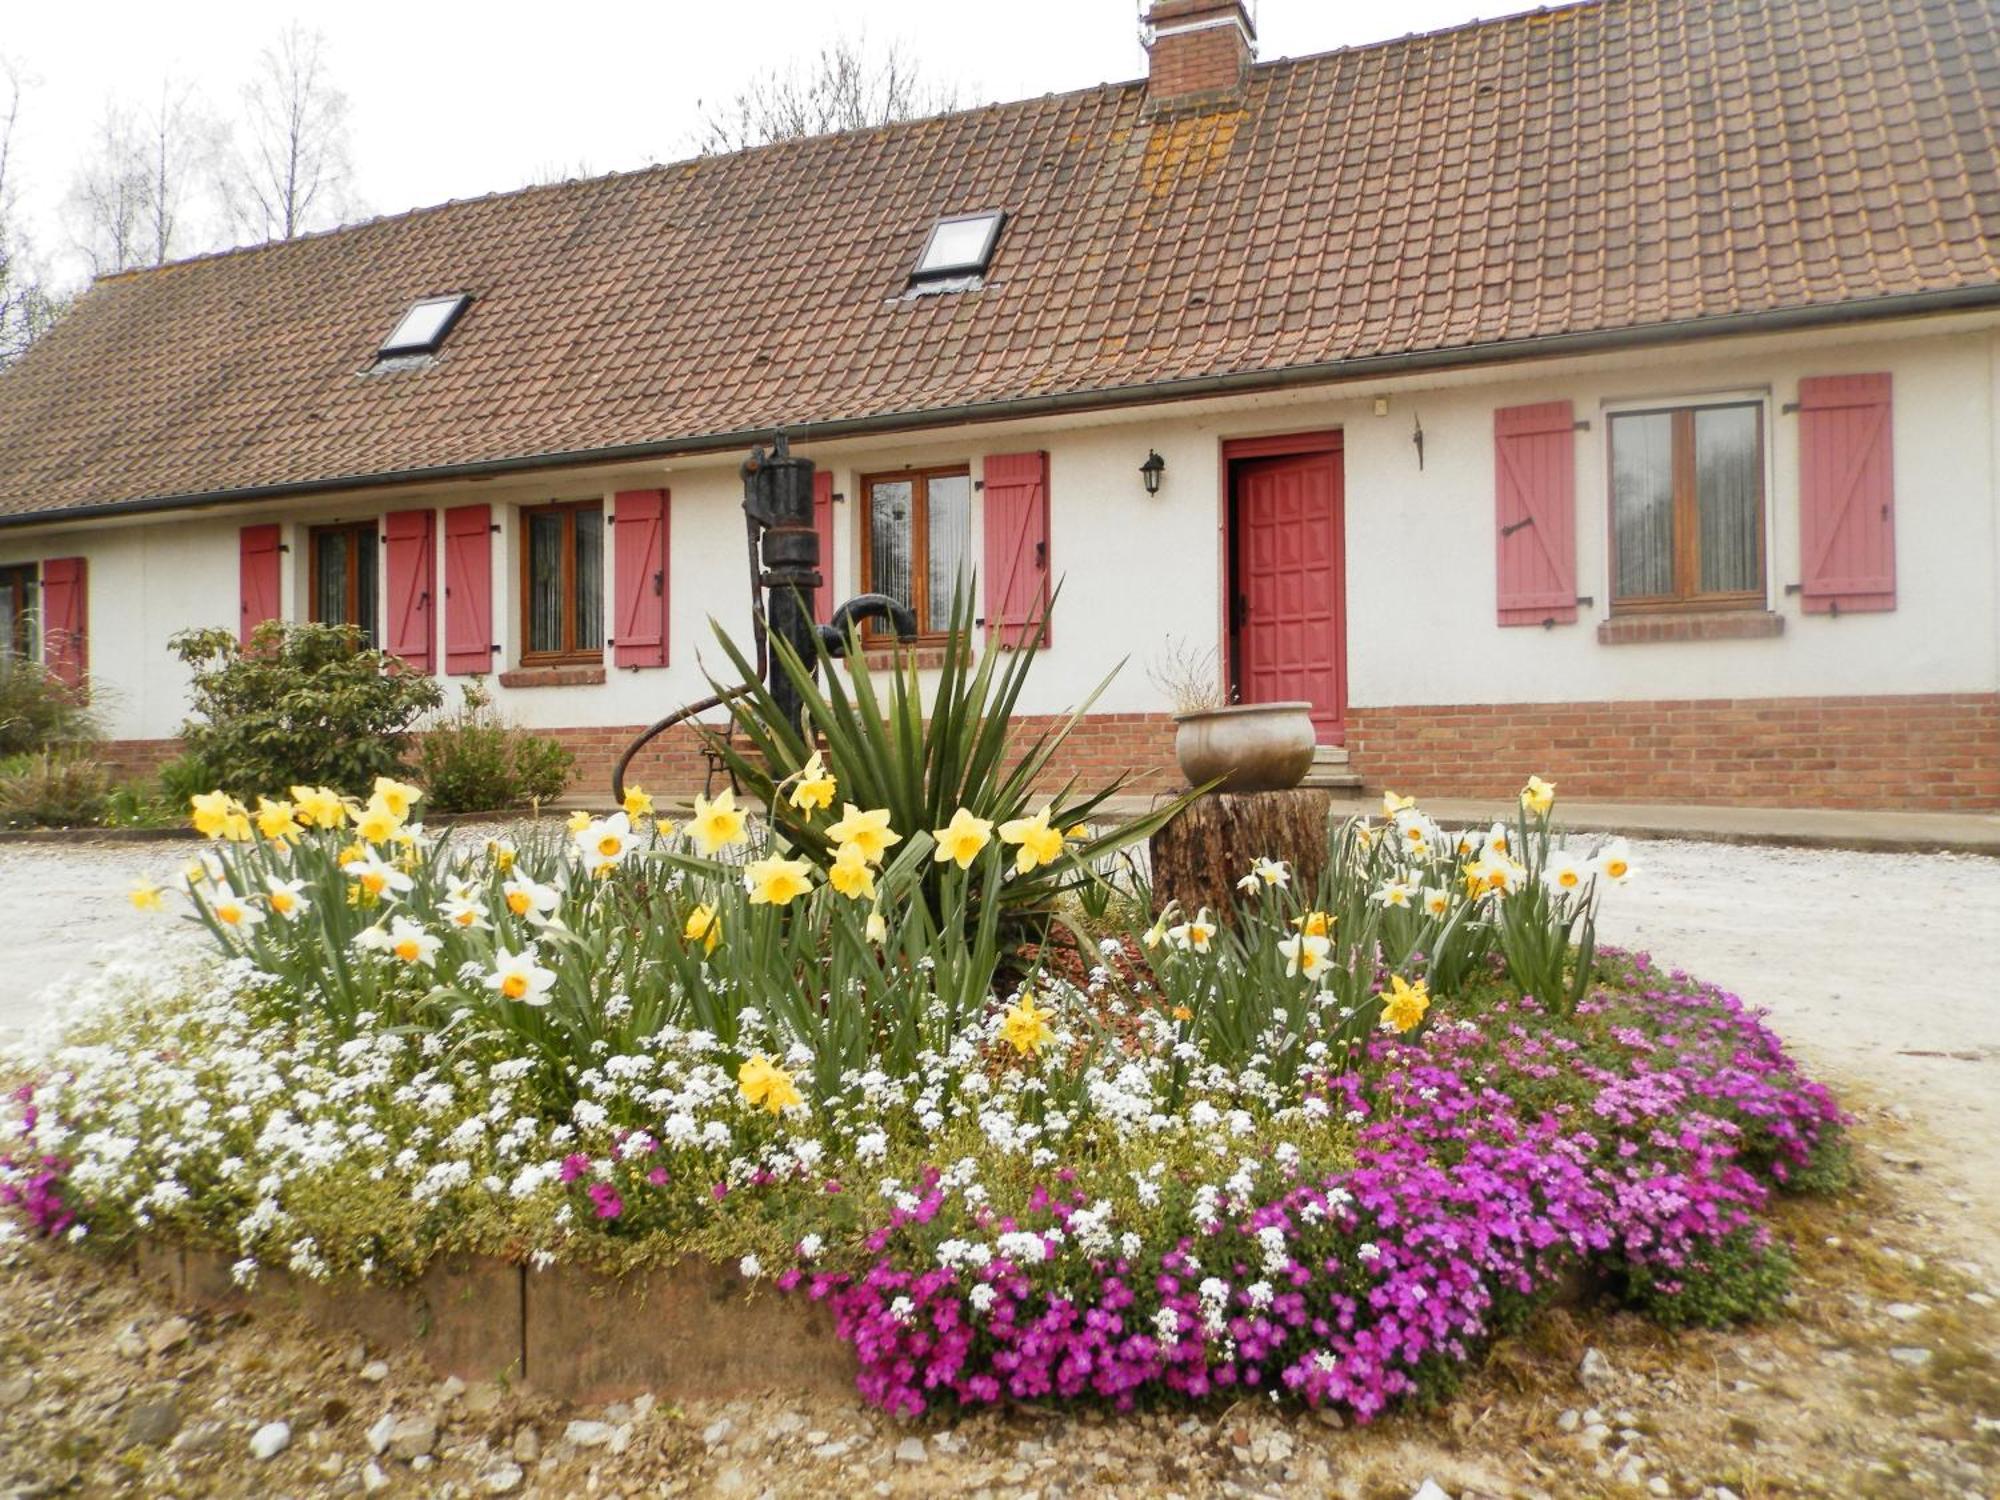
[1605, 166]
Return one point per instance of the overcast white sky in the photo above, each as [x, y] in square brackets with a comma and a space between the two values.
[451, 99]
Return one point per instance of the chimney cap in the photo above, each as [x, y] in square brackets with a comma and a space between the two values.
[1198, 54]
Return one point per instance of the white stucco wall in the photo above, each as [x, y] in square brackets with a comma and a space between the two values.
[1136, 570]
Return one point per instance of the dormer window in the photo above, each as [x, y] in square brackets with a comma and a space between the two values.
[423, 327]
[959, 246]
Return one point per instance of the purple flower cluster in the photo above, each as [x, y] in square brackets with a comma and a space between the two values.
[34, 1186]
[1490, 1162]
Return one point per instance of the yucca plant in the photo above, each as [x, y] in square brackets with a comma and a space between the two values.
[888, 747]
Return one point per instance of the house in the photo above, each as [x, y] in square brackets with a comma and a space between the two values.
[1611, 391]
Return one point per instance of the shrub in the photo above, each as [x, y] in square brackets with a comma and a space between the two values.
[301, 705]
[183, 778]
[473, 760]
[37, 710]
[53, 789]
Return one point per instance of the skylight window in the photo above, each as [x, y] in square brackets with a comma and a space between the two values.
[959, 246]
[424, 326]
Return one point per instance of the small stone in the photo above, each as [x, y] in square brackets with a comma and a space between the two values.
[717, 1432]
[911, 1451]
[202, 1439]
[329, 1467]
[621, 1438]
[1595, 1371]
[378, 1435]
[152, 1424]
[422, 1462]
[451, 1388]
[527, 1445]
[129, 1344]
[1904, 1312]
[503, 1479]
[413, 1437]
[169, 1335]
[14, 1389]
[642, 1406]
[1326, 1416]
[1430, 1489]
[483, 1398]
[1724, 1492]
[1658, 1486]
[589, 1434]
[1916, 1359]
[357, 1357]
[268, 1441]
[1569, 1421]
[375, 1371]
[373, 1479]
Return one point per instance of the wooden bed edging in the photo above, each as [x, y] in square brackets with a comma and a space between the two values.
[688, 1329]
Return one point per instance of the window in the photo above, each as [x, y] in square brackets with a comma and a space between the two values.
[959, 246]
[1687, 507]
[423, 327]
[346, 578]
[17, 610]
[562, 582]
[919, 541]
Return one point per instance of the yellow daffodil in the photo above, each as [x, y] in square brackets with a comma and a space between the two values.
[962, 838]
[716, 825]
[766, 1084]
[663, 828]
[851, 874]
[704, 926]
[1157, 933]
[1306, 954]
[218, 815]
[1404, 1007]
[1614, 862]
[578, 821]
[1313, 923]
[776, 881]
[378, 823]
[147, 897]
[1039, 843]
[398, 796]
[1538, 796]
[1077, 832]
[278, 821]
[870, 830]
[878, 927]
[502, 853]
[814, 789]
[318, 806]
[638, 802]
[1025, 1028]
[1392, 804]
[352, 853]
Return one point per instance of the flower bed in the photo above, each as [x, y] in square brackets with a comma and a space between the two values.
[1324, 1145]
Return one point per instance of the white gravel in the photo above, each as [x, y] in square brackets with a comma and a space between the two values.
[1880, 969]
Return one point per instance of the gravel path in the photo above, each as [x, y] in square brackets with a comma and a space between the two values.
[1879, 968]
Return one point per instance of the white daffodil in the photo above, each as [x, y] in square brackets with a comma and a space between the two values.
[529, 900]
[1194, 935]
[1267, 872]
[605, 842]
[1614, 862]
[1437, 902]
[285, 897]
[1565, 874]
[463, 908]
[403, 940]
[516, 976]
[1306, 953]
[377, 877]
[1397, 893]
[232, 910]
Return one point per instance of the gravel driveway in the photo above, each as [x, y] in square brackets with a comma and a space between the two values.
[1878, 968]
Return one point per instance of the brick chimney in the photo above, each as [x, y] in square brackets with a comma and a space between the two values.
[1198, 54]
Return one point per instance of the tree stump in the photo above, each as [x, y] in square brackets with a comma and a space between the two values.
[1198, 857]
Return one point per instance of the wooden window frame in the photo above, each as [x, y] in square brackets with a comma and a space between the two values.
[920, 544]
[570, 655]
[1687, 594]
[22, 639]
[371, 630]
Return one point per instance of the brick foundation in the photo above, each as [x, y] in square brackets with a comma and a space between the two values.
[1936, 752]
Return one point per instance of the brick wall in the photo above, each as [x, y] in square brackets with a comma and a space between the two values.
[1936, 752]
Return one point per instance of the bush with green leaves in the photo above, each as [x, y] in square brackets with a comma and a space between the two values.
[300, 705]
[472, 760]
[38, 710]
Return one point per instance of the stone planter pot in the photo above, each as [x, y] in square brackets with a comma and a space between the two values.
[1254, 747]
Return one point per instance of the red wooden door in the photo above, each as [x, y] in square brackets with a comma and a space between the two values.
[1289, 614]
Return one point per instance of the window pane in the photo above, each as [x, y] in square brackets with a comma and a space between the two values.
[1642, 504]
[1726, 481]
[329, 601]
[589, 580]
[367, 577]
[949, 517]
[545, 566]
[889, 506]
[16, 614]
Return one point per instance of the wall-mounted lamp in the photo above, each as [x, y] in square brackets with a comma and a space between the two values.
[1151, 470]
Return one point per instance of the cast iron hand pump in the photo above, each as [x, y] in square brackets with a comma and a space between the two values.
[784, 574]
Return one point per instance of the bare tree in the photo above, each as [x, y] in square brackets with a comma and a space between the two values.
[27, 305]
[106, 207]
[129, 202]
[843, 88]
[293, 172]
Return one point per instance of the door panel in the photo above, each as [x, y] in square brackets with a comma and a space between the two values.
[1290, 629]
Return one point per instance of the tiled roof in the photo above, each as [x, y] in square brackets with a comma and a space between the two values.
[1608, 166]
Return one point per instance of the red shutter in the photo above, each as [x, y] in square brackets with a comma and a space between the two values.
[66, 619]
[411, 554]
[257, 574]
[1847, 495]
[1017, 545]
[825, 600]
[640, 541]
[468, 589]
[1534, 460]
